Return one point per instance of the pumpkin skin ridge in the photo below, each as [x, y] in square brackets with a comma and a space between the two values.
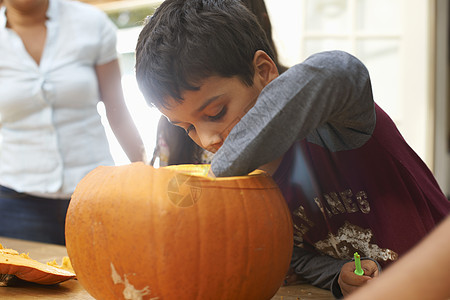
[246, 240]
[106, 177]
[38, 277]
[102, 229]
[94, 259]
[97, 255]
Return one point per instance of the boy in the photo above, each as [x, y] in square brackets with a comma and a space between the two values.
[349, 179]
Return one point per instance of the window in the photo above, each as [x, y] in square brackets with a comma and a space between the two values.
[392, 38]
[129, 20]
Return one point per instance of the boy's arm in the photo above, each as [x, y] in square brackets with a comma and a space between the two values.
[327, 98]
[318, 270]
[321, 270]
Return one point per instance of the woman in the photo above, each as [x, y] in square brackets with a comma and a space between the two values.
[58, 60]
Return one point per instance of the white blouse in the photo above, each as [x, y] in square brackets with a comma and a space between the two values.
[52, 134]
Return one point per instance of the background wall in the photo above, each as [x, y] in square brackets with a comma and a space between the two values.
[442, 80]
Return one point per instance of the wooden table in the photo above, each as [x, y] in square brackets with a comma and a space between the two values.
[72, 289]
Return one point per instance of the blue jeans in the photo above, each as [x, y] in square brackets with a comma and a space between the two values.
[27, 217]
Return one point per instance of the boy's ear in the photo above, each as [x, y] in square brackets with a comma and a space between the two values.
[265, 68]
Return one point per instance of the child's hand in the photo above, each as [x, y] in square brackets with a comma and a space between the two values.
[349, 281]
[292, 278]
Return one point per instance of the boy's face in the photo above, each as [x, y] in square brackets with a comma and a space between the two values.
[209, 114]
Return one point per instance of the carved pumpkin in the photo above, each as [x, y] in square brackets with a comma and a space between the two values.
[137, 232]
[13, 264]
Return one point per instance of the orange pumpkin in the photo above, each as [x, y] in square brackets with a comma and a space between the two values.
[138, 232]
[22, 266]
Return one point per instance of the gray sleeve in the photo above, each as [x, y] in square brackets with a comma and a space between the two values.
[320, 270]
[327, 99]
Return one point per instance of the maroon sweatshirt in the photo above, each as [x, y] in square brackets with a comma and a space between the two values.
[349, 178]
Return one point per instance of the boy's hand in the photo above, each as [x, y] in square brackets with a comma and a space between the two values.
[349, 281]
[292, 278]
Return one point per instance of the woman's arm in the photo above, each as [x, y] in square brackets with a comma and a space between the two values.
[119, 118]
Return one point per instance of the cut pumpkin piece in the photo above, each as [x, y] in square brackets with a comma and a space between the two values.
[23, 267]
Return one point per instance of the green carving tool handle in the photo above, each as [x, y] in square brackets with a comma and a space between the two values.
[358, 271]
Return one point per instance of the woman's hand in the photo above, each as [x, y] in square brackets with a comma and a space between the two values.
[349, 281]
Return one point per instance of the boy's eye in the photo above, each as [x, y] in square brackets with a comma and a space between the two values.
[218, 116]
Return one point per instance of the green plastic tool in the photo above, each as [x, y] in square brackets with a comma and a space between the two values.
[358, 271]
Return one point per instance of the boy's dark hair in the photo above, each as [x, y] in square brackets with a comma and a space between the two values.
[186, 41]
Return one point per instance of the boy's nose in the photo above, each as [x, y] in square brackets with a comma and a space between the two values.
[210, 140]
